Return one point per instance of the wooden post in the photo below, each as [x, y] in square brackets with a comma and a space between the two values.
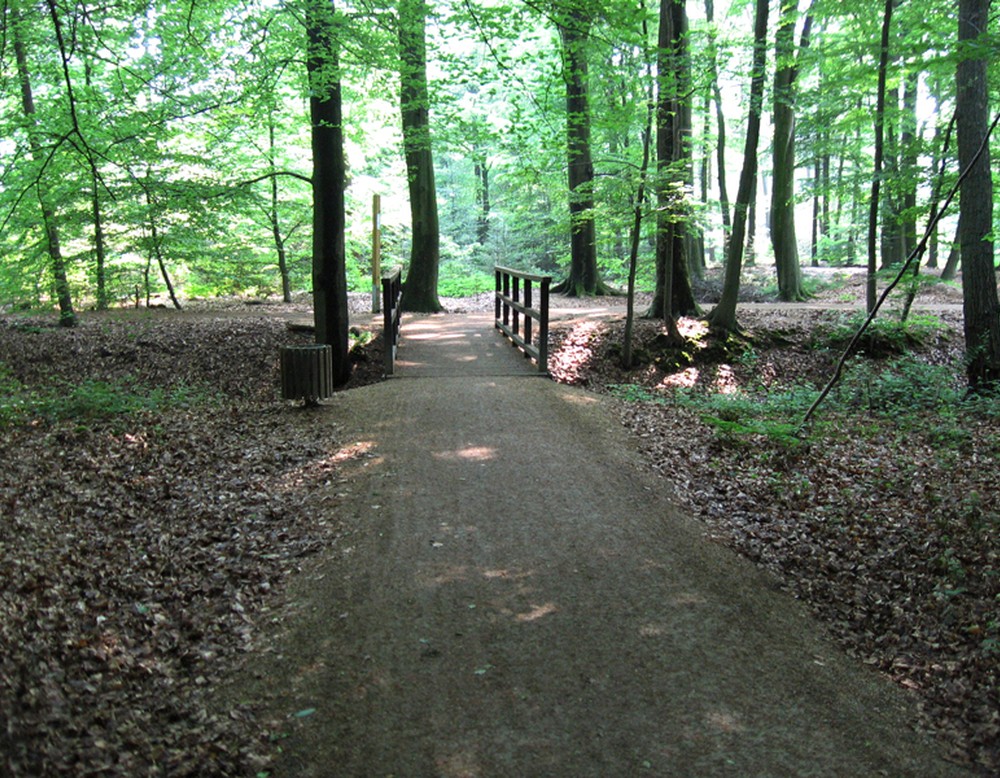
[376, 252]
[543, 327]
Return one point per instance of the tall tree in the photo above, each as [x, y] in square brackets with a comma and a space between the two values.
[979, 285]
[723, 316]
[783, 239]
[574, 24]
[329, 178]
[67, 316]
[673, 296]
[720, 117]
[873, 211]
[420, 291]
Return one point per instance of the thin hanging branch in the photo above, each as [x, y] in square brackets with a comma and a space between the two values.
[917, 252]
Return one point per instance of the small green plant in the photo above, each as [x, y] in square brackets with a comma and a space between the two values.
[883, 337]
[634, 393]
[88, 400]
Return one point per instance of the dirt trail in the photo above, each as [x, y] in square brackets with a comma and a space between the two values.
[515, 596]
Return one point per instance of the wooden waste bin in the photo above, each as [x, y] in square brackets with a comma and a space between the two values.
[307, 373]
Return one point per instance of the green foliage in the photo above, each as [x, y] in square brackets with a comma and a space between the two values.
[902, 386]
[88, 401]
[883, 337]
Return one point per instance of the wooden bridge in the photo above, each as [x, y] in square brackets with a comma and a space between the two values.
[513, 341]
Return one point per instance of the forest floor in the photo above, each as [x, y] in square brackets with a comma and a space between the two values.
[156, 497]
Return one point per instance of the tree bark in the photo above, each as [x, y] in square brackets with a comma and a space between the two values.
[720, 120]
[979, 283]
[420, 290]
[909, 164]
[871, 289]
[673, 164]
[723, 317]
[330, 309]
[273, 214]
[783, 239]
[584, 277]
[67, 316]
[482, 173]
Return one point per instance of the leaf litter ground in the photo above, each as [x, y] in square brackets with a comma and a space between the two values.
[142, 552]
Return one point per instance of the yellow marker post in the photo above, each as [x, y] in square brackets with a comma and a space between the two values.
[376, 253]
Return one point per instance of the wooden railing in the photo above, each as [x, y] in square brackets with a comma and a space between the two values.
[515, 312]
[392, 293]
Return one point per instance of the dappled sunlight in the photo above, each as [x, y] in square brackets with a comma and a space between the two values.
[569, 361]
[725, 722]
[692, 328]
[684, 379]
[359, 454]
[538, 612]
[507, 575]
[726, 381]
[469, 454]
[580, 399]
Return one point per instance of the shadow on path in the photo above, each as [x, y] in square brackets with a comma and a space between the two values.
[515, 596]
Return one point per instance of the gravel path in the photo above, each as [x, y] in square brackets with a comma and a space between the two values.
[515, 596]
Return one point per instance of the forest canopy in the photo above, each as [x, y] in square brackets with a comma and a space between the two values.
[162, 150]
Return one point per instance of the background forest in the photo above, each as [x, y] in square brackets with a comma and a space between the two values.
[161, 151]
[154, 501]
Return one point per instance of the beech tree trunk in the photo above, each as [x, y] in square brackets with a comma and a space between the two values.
[420, 290]
[273, 216]
[871, 290]
[723, 317]
[979, 283]
[64, 298]
[783, 239]
[584, 277]
[329, 178]
[673, 163]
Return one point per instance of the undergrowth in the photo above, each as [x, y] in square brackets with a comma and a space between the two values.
[904, 392]
[88, 400]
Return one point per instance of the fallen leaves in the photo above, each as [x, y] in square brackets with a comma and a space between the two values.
[139, 550]
[889, 532]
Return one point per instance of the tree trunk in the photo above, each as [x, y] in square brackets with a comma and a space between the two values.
[420, 290]
[673, 163]
[482, 172]
[817, 211]
[950, 271]
[100, 252]
[156, 249]
[584, 278]
[273, 215]
[909, 164]
[640, 204]
[723, 317]
[979, 283]
[720, 120]
[783, 240]
[329, 177]
[871, 289]
[67, 316]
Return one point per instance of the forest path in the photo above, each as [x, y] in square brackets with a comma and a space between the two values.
[514, 595]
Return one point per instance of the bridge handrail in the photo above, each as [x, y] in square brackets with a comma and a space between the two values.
[513, 302]
[392, 293]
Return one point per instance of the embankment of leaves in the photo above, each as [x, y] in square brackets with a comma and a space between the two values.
[154, 494]
[884, 518]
